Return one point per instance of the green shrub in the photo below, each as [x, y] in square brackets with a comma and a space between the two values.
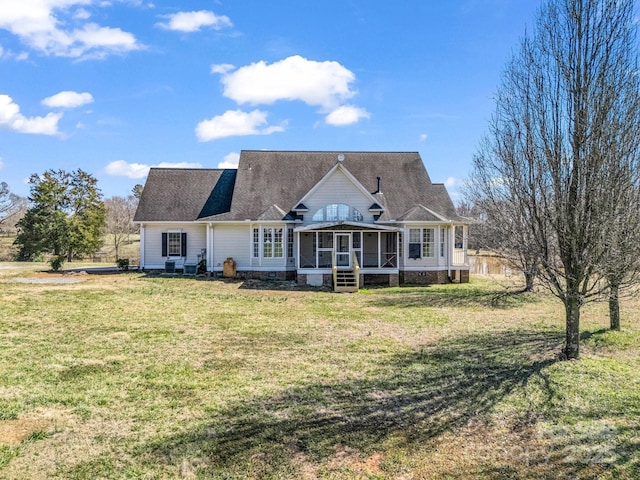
[56, 262]
[123, 264]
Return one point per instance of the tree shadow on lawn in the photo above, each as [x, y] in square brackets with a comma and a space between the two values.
[455, 297]
[410, 401]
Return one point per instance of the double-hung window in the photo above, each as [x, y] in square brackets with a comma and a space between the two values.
[272, 242]
[277, 243]
[267, 242]
[256, 243]
[421, 242]
[174, 244]
[415, 242]
[427, 242]
[290, 242]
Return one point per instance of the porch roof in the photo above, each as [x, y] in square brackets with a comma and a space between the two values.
[344, 225]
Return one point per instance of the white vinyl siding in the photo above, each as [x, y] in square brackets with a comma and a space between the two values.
[337, 189]
[196, 241]
[232, 241]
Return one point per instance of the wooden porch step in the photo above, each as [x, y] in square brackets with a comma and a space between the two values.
[346, 281]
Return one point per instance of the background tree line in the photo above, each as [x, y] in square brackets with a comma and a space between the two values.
[66, 216]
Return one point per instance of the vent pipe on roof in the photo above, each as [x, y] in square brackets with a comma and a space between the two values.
[378, 190]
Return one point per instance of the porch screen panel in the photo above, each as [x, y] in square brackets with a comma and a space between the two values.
[370, 250]
[389, 255]
[308, 250]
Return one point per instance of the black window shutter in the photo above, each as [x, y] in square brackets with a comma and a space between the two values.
[164, 244]
[183, 243]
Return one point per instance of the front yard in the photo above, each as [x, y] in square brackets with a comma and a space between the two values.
[134, 376]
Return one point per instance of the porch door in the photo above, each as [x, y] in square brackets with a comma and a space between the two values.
[343, 250]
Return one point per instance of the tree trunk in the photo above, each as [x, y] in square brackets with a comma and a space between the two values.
[529, 278]
[614, 306]
[572, 342]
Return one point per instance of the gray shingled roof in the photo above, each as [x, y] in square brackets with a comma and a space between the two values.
[185, 194]
[282, 178]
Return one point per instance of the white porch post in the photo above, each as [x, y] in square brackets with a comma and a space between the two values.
[297, 244]
[141, 266]
[209, 246]
[450, 246]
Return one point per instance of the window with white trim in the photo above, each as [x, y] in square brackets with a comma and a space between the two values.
[421, 243]
[337, 212]
[272, 246]
[267, 242]
[415, 243]
[290, 242]
[174, 243]
[428, 242]
[256, 243]
[278, 246]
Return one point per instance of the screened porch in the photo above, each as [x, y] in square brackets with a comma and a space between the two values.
[372, 249]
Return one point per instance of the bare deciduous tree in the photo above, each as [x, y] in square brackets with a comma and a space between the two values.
[120, 212]
[563, 138]
[621, 263]
[12, 206]
[505, 222]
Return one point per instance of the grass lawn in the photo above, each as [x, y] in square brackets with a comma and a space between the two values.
[134, 376]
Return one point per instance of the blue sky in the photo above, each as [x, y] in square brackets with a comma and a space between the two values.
[115, 87]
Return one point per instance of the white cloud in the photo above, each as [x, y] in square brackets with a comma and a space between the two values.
[194, 21]
[235, 123]
[324, 84]
[68, 99]
[222, 68]
[230, 160]
[81, 14]
[451, 182]
[54, 28]
[346, 115]
[120, 168]
[11, 118]
[423, 137]
[8, 54]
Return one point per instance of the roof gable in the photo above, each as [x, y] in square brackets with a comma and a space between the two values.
[274, 212]
[329, 181]
[420, 213]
